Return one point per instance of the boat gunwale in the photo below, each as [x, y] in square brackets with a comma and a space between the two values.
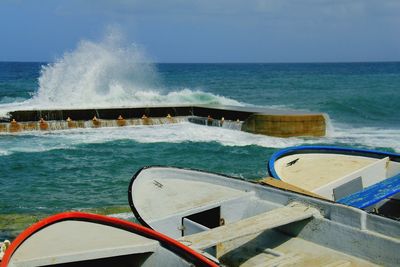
[350, 219]
[305, 198]
[255, 182]
[136, 175]
[326, 150]
[169, 243]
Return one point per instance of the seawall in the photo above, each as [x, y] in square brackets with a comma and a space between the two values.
[264, 121]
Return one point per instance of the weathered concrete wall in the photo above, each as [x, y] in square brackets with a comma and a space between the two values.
[113, 113]
[256, 120]
[106, 114]
[54, 125]
[286, 125]
[218, 113]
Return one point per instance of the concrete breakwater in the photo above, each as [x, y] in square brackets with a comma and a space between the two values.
[54, 125]
[269, 122]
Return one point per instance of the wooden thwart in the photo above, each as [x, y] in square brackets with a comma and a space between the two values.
[283, 185]
[253, 225]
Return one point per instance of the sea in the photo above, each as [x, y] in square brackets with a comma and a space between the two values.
[43, 173]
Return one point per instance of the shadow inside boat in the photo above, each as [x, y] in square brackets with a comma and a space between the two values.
[257, 248]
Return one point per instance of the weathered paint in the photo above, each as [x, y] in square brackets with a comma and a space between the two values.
[283, 125]
[373, 194]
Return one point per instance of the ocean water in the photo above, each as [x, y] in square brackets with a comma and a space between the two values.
[90, 169]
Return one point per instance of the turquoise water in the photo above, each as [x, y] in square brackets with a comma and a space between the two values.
[43, 173]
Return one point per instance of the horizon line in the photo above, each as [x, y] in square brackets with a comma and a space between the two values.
[235, 62]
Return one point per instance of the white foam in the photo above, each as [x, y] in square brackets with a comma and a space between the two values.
[4, 152]
[372, 137]
[103, 74]
[8, 100]
[124, 216]
[187, 132]
[30, 142]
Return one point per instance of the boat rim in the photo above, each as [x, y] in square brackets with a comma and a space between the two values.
[327, 150]
[260, 183]
[134, 177]
[165, 241]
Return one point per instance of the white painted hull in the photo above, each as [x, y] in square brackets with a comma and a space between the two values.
[81, 239]
[247, 224]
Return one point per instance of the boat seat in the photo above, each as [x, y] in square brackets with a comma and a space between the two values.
[286, 186]
[278, 217]
[347, 185]
[373, 194]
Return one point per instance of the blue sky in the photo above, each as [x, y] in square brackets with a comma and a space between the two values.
[208, 30]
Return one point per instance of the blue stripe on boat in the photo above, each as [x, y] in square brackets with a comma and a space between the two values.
[374, 193]
[326, 149]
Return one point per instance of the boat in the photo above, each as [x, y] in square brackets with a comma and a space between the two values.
[361, 178]
[83, 239]
[244, 223]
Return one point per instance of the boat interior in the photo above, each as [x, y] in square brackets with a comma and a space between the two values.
[82, 243]
[247, 224]
[336, 176]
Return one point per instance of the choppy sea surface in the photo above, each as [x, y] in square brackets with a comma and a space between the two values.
[89, 169]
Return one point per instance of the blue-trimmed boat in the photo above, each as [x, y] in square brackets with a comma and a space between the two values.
[361, 178]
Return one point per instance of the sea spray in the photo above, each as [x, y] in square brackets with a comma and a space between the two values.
[107, 73]
[104, 74]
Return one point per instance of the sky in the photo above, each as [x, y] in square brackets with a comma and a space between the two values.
[190, 31]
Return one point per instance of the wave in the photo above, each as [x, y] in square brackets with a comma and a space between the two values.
[9, 100]
[103, 74]
[4, 152]
[37, 142]
[372, 137]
